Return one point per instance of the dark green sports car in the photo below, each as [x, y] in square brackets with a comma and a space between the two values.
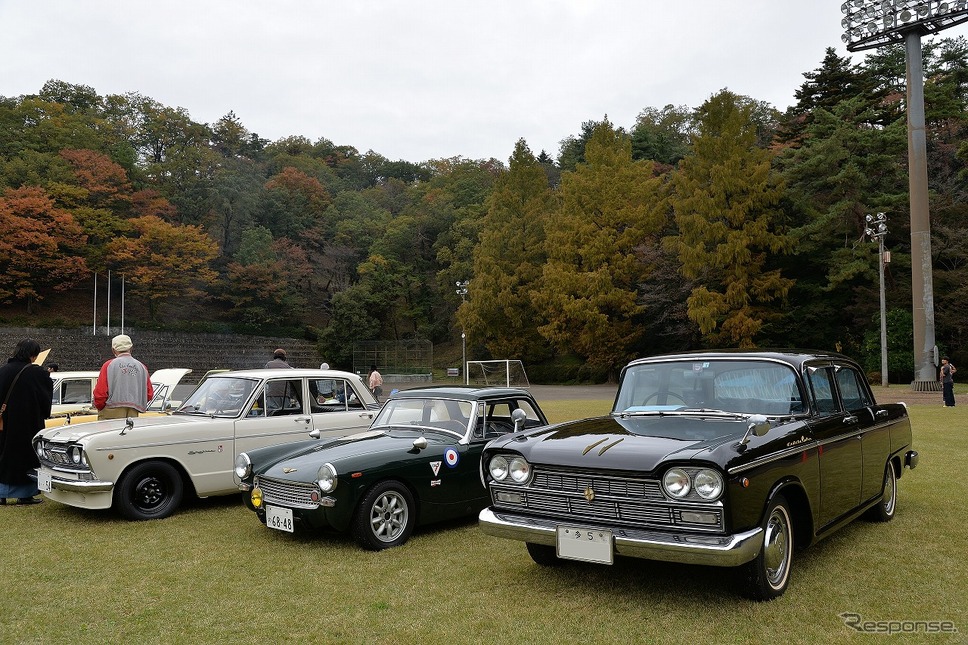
[418, 463]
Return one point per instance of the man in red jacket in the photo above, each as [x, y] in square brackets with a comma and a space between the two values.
[124, 386]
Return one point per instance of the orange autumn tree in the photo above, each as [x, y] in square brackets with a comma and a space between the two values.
[40, 247]
[161, 261]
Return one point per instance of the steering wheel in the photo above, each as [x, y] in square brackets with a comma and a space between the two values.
[660, 394]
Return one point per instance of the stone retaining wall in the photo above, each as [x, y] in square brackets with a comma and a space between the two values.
[80, 349]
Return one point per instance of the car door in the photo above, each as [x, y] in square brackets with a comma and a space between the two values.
[839, 446]
[875, 437]
[336, 407]
[278, 414]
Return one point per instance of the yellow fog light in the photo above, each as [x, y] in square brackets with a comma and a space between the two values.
[256, 497]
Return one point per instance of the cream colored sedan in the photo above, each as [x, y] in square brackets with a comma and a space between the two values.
[143, 467]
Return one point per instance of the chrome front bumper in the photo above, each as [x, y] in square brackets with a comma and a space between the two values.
[77, 485]
[711, 550]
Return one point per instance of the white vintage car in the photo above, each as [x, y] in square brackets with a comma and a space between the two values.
[144, 466]
[73, 400]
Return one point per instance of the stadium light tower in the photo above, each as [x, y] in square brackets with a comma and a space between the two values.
[872, 23]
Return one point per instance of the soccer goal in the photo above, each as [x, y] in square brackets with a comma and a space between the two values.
[497, 373]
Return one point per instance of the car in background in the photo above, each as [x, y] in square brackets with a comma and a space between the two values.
[74, 395]
[143, 466]
[728, 459]
[418, 463]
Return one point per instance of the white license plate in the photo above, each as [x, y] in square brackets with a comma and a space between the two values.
[43, 481]
[588, 545]
[279, 518]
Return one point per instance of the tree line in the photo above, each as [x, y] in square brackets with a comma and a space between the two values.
[731, 224]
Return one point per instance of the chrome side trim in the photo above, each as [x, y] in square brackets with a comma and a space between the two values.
[722, 551]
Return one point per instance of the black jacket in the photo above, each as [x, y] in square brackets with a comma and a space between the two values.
[27, 409]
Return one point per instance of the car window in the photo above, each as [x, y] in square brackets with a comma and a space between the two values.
[73, 391]
[445, 414]
[283, 397]
[332, 395]
[853, 393]
[494, 418]
[823, 392]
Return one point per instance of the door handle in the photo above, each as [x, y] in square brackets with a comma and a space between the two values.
[302, 419]
[882, 413]
[850, 419]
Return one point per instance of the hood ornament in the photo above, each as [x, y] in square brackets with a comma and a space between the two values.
[288, 470]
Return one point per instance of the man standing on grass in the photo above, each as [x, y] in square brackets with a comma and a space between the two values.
[123, 387]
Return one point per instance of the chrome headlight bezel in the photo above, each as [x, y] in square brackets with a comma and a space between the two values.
[326, 479]
[243, 466]
[498, 468]
[708, 484]
[519, 470]
[676, 483]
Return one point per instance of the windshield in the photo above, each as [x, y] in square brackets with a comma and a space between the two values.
[442, 414]
[219, 396]
[741, 386]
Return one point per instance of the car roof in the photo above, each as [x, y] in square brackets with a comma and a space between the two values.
[76, 374]
[297, 372]
[462, 392]
[795, 358]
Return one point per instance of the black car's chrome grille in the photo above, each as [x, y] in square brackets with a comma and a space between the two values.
[287, 493]
[614, 500]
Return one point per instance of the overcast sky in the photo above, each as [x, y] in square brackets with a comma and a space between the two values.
[422, 79]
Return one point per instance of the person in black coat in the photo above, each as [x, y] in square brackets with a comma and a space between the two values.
[28, 406]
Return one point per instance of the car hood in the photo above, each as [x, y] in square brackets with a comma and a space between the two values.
[362, 450]
[638, 444]
[79, 431]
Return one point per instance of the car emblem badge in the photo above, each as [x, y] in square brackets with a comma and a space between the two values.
[435, 466]
[289, 470]
[589, 493]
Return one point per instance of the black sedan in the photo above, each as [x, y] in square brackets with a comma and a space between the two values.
[727, 459]
[418, 463]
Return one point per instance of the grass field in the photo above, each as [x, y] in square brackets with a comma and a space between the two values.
[213, 574]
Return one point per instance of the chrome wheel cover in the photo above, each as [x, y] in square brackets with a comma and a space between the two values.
[389, 516]
[890, 491]
[777, 547]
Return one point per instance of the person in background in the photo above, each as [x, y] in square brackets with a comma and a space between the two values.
[278, 360]
[26, 391]
[947, 383]
[124, 386]
[53, 367]
[375, 382]
[324, 366]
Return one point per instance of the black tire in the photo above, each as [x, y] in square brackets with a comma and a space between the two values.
[149, 491]
[385, 518]
[887, 507]
[766, 577]
[543, 554]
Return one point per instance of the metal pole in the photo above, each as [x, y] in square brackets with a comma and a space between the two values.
[94, 325]
[883, 317]
[921, 271]
[463, 352]
[109, 304]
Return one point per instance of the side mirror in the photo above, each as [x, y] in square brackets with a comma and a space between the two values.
[314, 433]
[759, 425]
[420, 443]
[519, 417]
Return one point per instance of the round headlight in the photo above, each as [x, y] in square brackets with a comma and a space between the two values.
[676, 482]
[498, 467]
[243, 466]
[520, 470]
[708, 484]
[326, 478]
[39, 449]
[75, 453]
[256, 497]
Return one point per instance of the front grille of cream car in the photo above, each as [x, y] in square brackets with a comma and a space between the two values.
[287, 493]
[614, 500]
[55, 456]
